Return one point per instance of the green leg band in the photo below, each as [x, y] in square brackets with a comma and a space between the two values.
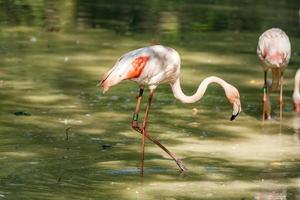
[264, 89]
[135, 117]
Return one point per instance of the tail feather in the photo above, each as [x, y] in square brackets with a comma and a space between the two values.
[274, 85]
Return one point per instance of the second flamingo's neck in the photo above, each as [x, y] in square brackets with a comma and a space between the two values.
[178, 93]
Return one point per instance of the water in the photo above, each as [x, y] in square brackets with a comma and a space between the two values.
[52, 55]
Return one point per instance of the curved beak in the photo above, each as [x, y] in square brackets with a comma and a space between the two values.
[236, 110]
[233, 117]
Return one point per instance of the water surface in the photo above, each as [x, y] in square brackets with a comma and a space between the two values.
[52, 55]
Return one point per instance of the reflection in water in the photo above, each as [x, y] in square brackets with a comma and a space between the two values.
[271, 195]
[152, 17]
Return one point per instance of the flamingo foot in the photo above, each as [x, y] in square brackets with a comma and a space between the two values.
[181, 165]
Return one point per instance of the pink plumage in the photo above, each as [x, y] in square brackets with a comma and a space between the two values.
[274, 49]
[158, 64]
[154, 65]
[296, 93]
[274, 52]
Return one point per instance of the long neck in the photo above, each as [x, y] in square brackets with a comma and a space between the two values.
[296, 94]
[178, 93]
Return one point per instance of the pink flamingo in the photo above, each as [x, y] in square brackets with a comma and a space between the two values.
[274, 52]
[151, 66]
[296, 94]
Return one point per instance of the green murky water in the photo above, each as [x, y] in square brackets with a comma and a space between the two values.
[52, 54]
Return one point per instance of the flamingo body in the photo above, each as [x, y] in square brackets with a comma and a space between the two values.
[151, 66]
[154, 65]
[158, 64]
[274, 52]
[274, 49]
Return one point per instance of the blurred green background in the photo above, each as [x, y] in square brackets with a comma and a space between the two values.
[52, 55]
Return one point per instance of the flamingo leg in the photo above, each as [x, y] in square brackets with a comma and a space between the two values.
[266, 100]
[144, 130]
[265, 87]
[281, 95]
[134, 123]
[136, 127]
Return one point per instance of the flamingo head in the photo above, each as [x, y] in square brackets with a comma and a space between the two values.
[233, 97]
[112, 77]
[126, 68]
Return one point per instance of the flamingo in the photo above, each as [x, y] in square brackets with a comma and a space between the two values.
[296, 93]
[154, 65]
[274, 52]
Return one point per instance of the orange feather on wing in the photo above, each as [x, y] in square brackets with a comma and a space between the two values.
[137, 67]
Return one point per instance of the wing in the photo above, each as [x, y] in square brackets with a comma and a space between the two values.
[129, 66]
[137, 66]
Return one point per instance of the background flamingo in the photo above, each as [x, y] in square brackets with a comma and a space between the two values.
[296, 94]
[274, 52]
[151, 66]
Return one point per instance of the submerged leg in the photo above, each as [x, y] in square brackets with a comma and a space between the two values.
[281, 95]
[173, 156]
[136, 127]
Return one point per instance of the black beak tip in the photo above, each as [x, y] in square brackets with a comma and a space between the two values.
[233, 117]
